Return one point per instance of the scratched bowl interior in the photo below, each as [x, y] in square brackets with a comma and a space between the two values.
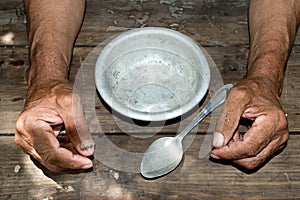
[152, 74]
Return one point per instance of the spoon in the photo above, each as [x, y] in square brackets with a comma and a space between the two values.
[165, 153]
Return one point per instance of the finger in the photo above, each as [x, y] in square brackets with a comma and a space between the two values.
[48, 115]
[69, 160]
[23, 139]
[32, 152]
[69, 146]
[229, 118]
[26, 147]
[253, 112]
[53, 156]
[252, 142]
[76, 127]
[262, 157]
[236, 137]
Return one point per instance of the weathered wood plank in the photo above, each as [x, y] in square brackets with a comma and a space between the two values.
[194, 179]
[221, 26]
[212, 23]
[230, 61]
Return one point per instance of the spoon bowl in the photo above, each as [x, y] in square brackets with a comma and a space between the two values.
[166, 153]
[170, 149]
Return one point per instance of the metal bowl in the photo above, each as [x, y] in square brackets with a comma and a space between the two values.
[152, 74]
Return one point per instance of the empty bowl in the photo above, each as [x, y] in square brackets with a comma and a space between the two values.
[152, 74]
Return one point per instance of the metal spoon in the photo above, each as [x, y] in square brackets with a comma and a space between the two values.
[165, 154]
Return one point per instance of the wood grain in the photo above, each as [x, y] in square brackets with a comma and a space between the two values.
[212, 23]
[194, 179]
[221, 28]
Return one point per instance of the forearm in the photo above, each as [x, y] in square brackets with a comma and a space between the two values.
[273, 25]
[53, 28]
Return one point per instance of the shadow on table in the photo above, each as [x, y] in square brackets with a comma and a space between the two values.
[242, 169]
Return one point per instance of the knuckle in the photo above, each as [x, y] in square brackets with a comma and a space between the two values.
[282, 128]
[68, 100]
[21, 133]
[239, 92]
[17, 140]
[285, 137]
[20, 124]
[282, 122]
[75, 97]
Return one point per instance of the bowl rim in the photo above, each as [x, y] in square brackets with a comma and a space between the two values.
[146, 116]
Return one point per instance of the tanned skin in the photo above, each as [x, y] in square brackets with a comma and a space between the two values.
[50, 101]
[273, 25]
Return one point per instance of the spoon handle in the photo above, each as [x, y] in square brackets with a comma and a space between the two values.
[216, 100]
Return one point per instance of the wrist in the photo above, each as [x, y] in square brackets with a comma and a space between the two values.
[40, 88]
[266, 82]
[45, 80]
[45, 74]
[268, 65]
[48, 61]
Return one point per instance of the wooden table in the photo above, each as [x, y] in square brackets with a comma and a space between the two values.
[221, 28]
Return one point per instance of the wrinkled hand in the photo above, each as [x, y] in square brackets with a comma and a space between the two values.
[47, 109]
[256, 100]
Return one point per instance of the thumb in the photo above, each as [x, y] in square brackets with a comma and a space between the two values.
[228, 120]
[76, 126]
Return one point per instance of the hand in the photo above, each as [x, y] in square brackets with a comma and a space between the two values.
[48, 108]
[256, 100]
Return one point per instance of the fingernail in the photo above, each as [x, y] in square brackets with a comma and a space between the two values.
[88, 147]
[87, 166]
[84, 147]
[218, 140]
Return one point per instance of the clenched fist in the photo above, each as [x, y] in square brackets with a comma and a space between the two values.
[48, 108]
[255, 100]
